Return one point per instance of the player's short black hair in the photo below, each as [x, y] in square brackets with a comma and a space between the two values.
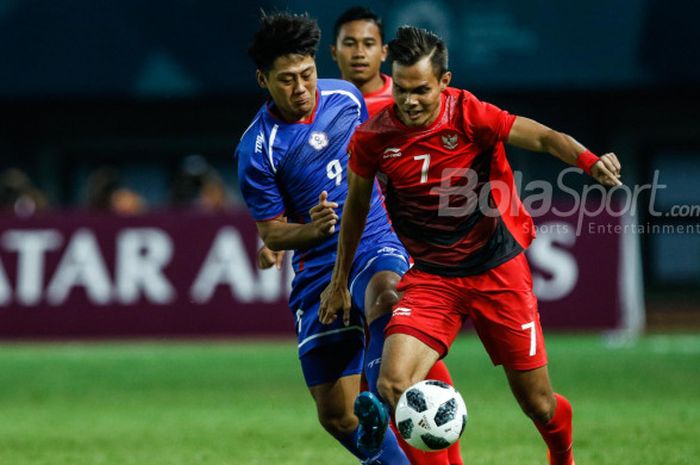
[283, 34]
[357, 13]
[412, 44]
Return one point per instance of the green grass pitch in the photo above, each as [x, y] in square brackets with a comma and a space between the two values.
[244, 403]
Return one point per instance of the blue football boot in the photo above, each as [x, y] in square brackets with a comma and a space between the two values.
[374, 420]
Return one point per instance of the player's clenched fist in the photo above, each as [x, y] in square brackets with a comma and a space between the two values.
[323, 216]
[333, 299]
[607, 170]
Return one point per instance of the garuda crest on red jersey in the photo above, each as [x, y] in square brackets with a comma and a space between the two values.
[449, 141]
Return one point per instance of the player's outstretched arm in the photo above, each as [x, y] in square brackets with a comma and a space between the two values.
[336, 296]
[531, 135]
[278, 235]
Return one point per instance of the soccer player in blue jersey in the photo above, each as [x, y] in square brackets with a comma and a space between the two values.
[292, 164]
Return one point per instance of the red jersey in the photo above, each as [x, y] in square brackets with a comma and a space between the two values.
[381, 98]
[449, 188]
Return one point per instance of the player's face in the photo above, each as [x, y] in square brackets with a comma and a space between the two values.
[359, 51]
[417, 92]
[292, 85]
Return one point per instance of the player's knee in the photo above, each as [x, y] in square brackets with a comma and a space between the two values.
[383, 304]
[338, 425]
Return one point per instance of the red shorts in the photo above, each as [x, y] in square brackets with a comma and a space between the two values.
[500, 303]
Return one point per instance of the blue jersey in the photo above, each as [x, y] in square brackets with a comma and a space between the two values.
[283, 167]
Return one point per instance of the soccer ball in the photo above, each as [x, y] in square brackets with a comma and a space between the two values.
[431, 415]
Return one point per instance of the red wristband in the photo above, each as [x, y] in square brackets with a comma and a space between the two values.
[586, 160]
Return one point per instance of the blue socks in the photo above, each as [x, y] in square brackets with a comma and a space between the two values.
[389, 454]
[373, 354]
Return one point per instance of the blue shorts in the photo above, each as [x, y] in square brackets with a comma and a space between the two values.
[370, 262]
[386, 255]
[329, 362]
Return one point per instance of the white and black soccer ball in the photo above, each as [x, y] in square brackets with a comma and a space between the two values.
[431, 415]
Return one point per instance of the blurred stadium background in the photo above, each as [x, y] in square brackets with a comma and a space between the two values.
[120, 218]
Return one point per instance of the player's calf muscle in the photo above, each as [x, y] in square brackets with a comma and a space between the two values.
[338, 425]
[534, 392]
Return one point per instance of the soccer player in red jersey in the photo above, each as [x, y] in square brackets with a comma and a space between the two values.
[453, 202]
[359, 51]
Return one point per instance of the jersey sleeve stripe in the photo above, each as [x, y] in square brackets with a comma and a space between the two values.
[255, 120]
[273, 134]
[347, 94]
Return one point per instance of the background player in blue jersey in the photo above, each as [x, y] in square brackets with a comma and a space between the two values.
[291, 160]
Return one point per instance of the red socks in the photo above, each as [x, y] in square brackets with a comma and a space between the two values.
[558, 433]
[454, 454]
[418, 457]
[439, 372]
